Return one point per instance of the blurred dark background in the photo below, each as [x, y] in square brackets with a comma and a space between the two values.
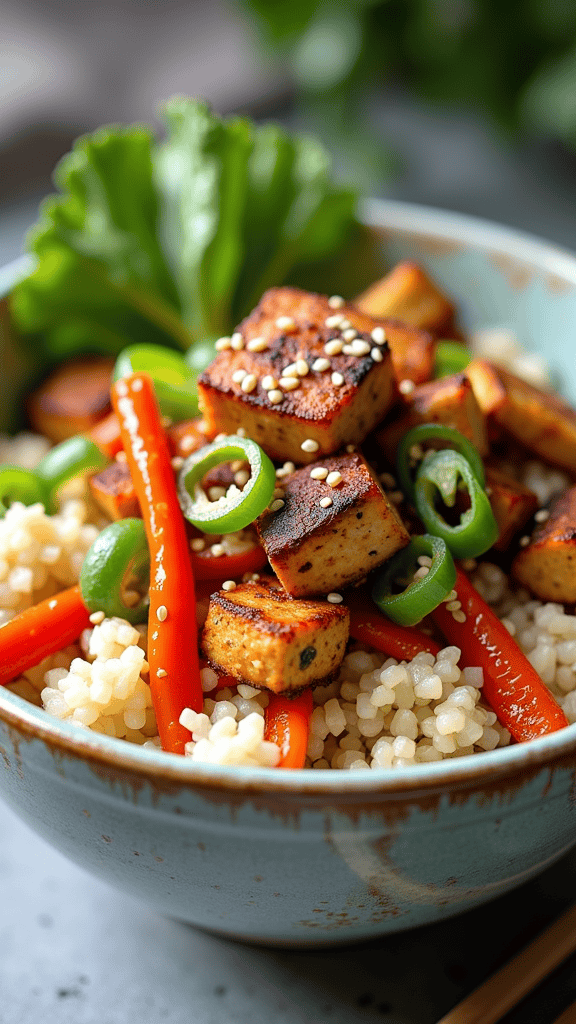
[464, 104]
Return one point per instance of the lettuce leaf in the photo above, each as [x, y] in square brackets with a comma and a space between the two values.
[173, 242]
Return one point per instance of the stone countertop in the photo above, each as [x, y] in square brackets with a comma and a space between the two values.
[74, 951]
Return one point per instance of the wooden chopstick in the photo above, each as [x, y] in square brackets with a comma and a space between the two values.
[568, 1016]
[494, 998]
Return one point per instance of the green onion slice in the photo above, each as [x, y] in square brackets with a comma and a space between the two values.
[23, 485]
[421, 596]
[451, 357]
[432, 433]
[119, 556]
[174, 380]
[73, 457]
[238, 508]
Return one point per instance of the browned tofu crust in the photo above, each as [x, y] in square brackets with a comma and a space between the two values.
[328, 413]
[548, 564]
[114, 492]
[261, 636]
[512, 504]
[73, 398]
[408, 294]
[541, 421]
[317, 550]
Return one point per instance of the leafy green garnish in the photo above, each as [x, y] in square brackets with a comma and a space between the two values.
[173, 242]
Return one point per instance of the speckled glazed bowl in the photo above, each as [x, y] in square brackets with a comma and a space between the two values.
[318, 857]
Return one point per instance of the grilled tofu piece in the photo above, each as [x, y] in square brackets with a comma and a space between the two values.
[72, 399]
[113, 490]
[412, 351]
[538, 419]
[261, 636]
[316, 550]
[408, 294]
[512, 504]
[548, 564]
[186, 437]
[489, 390]
[325, 412]
[450, 401]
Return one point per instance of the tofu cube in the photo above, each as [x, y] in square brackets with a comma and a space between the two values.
[73, 398]
[261, 636]
[408, 294]
[512, 504]
[547, 566]
[317, 550]
[113, 490]
[302, 403]
[541, 421]
[412, 351]
[450, 401]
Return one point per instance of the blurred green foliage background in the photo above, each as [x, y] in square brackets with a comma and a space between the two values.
[512, 61]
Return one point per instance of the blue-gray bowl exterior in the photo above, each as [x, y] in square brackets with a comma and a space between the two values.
[319, 857]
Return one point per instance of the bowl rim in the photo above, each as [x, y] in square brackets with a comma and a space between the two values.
[158, 767]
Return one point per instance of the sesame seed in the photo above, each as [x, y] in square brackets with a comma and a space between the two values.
[424, 560]
[396, 497]
[228, 585]
[452, 596]
[319, 473]
[335, 598]
[376, 355]
[241, 477]
[222, 344]
[286, 323]
[238, 376]
[198, 544]
[378, 335]
[97, 617]
[249, 383]
[459, 616]
[302, 367]
[121, 457]
[288, 467]
[161, 672]
[217, 550]
[309, 445]
[275, 396]
[137, 385]
[350, 448]
[237, 341]
[334, 321]
[337, 379]
[389, 481]
[325, 502]
[336, 302]
[241, 432]
[344, 325]
[236, 465]
[333, 347]
[166, 421]
[52, 605]
[319, 365]
[350, 334]
[277, 504]
[269, 383]
[290, 371]
[220, 437]
[542, 515]
[524, 542]
[255, 577]
[406, 387]
[257, 663]
[161, 613]
[177, 462]
[360, 347]
[288, 384]
[348, 350]
[453, 606]
[187, 443]
[333, 479]
[257, 345]
[421, 573]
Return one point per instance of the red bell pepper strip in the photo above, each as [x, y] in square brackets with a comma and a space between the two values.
[172, 633]
[370, 627]
[227, 567]
[41, 630]
[512, 686]
[287, 721]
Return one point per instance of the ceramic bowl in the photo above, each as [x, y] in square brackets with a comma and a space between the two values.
[300, 857]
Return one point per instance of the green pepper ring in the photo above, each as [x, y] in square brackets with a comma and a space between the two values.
[450, 357]
[430, 431]
[17, 484]
[423, 596]
[174, 379]
[478, 529]
[70, 458]
[120, 548]
[230, 513]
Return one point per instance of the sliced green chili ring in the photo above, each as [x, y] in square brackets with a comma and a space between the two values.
[73, 457]
[421, 596]
[17, 484]
[118, 555]
[431, 432]
[238, 508]
[440, 474]
[451, 357]
[174, 380]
